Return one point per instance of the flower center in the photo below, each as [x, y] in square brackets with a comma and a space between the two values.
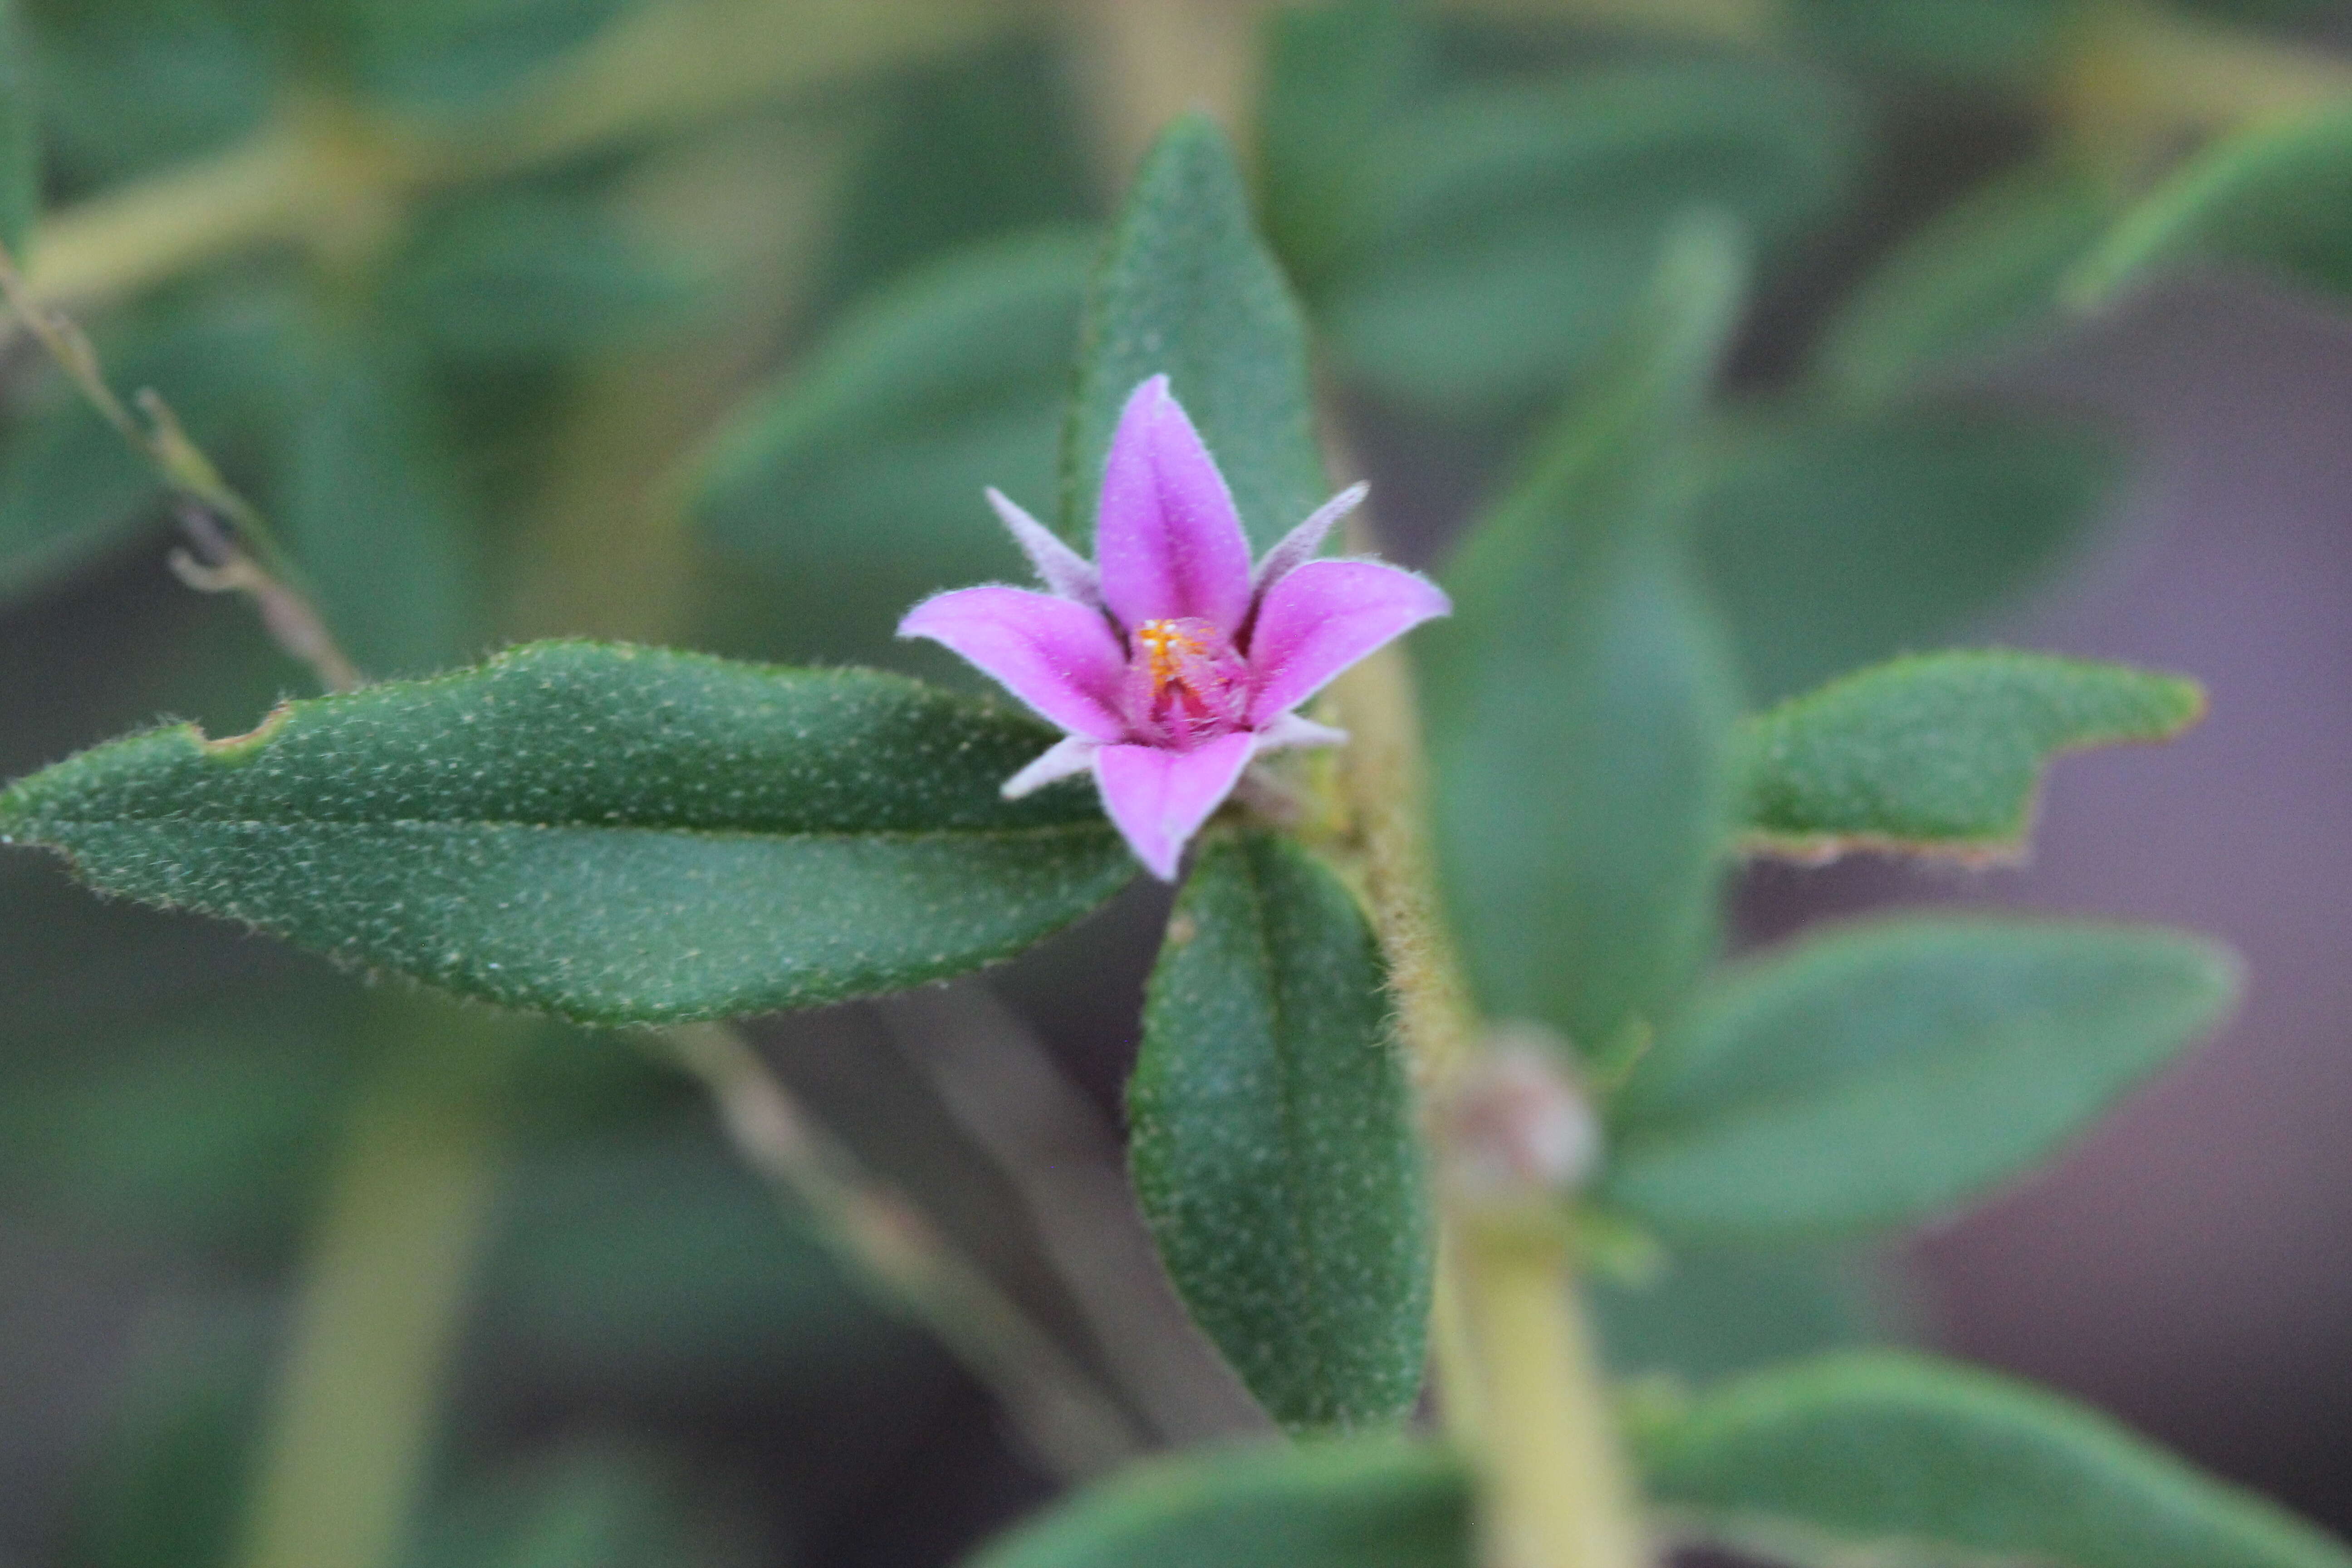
[1185, 684]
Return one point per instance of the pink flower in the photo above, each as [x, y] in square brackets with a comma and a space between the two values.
[1173, 664]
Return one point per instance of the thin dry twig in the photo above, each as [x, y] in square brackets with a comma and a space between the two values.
[242, 557]
[1074, 1426]
[1065, 1163]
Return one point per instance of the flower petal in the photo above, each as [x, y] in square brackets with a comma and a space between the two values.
[1169, 542]
[1066, 758]
[1298, 546]
[1288, 730]
[1060, 658]
[1325, 617]
[1158, 798]
[1066, 574]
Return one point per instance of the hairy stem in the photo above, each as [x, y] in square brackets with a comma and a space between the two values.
[1516, 1371]
[381, 1302]
[1073, 1427]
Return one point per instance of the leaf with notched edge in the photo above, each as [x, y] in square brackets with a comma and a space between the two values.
[1939, 754]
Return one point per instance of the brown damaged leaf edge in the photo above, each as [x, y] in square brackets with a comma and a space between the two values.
[252, 741]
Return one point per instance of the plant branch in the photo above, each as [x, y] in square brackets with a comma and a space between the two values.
[1517, 1378]
[1066, 1167]
[322, 168]
[1073, 1428]
[382, 1299]
[244, 558]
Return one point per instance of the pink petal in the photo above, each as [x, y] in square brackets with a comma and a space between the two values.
[1298, 546]
[1159, 798]
[1066, 574]
[1066, 758]
[1060, 658]
[1323, 617]
[1167, 538]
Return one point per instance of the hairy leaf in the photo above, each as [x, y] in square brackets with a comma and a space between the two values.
[1367, 1504]
[1885, 1072]
[1939, 753]
[1885, 1457]
[1187, 289]
[1502, 232]
[857, 481]
[1273, 1147]
[2278, 196]
[1580, 698]
[612, 834]
[1834, 540]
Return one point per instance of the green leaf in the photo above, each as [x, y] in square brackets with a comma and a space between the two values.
[1939, 753]
[855, 482]
[121, 93]
[1188, 289]
[367, 490]
[1336, 76]
[970, 149]
[1504, 230]
[20, 138]
[2005, 40]
[612, 834]
[1884, 1456]
[588, 1505]
[1888, 1071]
[1273, 1148]
[1367, 1504]
[1712, 1312]
[523, 278]
[1971, 280]
[1834, 541]
[1581, 701]
[2278, 196]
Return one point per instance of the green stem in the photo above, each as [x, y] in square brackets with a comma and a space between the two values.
[381, 1302]
[1515, 1371]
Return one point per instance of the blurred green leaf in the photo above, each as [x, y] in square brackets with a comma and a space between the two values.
[1886, 1072]
[365, 486]
[1884, 1456]
[71, 487]
[1941, 752]
[1372, 1503]
[1188, 289]
[20, 138]
[856, 480]
[1273, 1148]
[1831, 541]
[587, 1506]
[1503, 232]
[459, 52]
[1714, 1312]
[526, 276]
[2278, 196]
[1972, 279]
[968, 149]
[652, 1260]
[2000, 39]
[1336, 75]
[1580, 702]
[127, 85]
[610, 834]
[163, 1482]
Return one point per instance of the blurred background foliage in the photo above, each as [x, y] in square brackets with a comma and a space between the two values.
[705, 322]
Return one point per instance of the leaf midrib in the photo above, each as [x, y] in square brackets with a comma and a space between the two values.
[41, 827]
